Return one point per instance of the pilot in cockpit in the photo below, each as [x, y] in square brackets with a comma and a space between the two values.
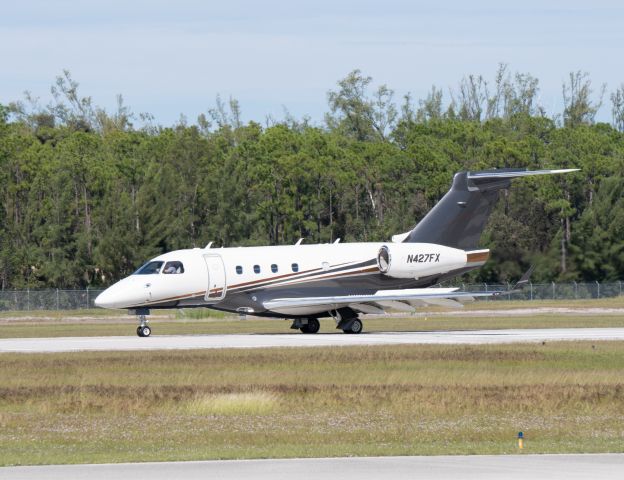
[173, 267]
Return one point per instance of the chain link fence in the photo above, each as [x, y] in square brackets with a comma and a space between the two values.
[550, 291]
[24, 300]
[56, 299]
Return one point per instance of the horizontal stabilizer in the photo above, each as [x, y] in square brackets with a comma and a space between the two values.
[524, 280]
[516, 173]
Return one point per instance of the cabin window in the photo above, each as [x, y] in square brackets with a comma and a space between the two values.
[256, 268]
[295, 267]
[150, 268]
[239, 269]
[173, 268]
[274, 268]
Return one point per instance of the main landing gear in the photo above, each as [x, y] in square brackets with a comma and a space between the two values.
[313, 326]
[306, 325]
[355, 326]
[347, 320]
[143, 330]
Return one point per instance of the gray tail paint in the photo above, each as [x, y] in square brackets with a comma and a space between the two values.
[459, 218]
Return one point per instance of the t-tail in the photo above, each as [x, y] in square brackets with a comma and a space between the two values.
[459, 218]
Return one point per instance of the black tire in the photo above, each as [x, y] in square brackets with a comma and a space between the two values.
[355, 327]
[145, 330]
[313, 325]
[139, 331]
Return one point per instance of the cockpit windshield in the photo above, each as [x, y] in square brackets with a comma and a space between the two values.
[173, 267]
[150, 268]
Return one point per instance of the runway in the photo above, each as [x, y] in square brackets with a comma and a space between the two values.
[483, 467]
[188, 342]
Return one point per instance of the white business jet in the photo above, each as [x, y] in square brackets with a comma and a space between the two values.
[339, 280]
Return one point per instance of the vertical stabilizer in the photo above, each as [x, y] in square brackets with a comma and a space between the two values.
[459, 218]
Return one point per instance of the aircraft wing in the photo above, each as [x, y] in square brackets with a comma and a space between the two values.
[376, 303]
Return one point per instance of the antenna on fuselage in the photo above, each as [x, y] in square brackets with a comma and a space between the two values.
[299, 241]
[337, 241]
[208, 246]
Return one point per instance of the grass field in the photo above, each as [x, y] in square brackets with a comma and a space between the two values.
[496, 315]
[396, 324]
[407, 400]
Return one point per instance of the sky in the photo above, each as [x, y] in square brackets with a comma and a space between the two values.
[170, 58]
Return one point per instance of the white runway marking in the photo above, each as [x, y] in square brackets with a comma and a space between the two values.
[482, 467]
[188, 342]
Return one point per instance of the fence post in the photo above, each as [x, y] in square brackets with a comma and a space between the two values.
[598, 288]
[553, 289]
[575, 290]
[487, 299]
[620, 284]
[28, 298]
[531, 290]
[87, 297]
[57, 299]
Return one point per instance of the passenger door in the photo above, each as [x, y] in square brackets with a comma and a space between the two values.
[216, 278]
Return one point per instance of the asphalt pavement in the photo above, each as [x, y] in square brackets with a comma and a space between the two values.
[187, 342]
[482, 467]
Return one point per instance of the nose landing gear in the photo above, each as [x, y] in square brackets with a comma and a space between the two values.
[143, 330]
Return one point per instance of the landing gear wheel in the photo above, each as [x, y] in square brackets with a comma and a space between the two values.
[355, 327]
[313, 326]
[144, 331]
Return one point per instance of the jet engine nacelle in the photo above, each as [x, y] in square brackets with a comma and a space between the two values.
[415, 260]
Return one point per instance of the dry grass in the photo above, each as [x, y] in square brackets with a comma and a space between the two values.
[241, 403]
[102, 407]
[167, 325]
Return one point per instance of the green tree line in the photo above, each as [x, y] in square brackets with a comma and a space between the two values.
[87, 196]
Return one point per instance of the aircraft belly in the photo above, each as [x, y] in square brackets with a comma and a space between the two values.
[303, 311]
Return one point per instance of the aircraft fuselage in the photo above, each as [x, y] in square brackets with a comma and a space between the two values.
[243, 279]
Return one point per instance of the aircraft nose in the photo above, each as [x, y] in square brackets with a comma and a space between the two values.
[124, 294]
[105, 299]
